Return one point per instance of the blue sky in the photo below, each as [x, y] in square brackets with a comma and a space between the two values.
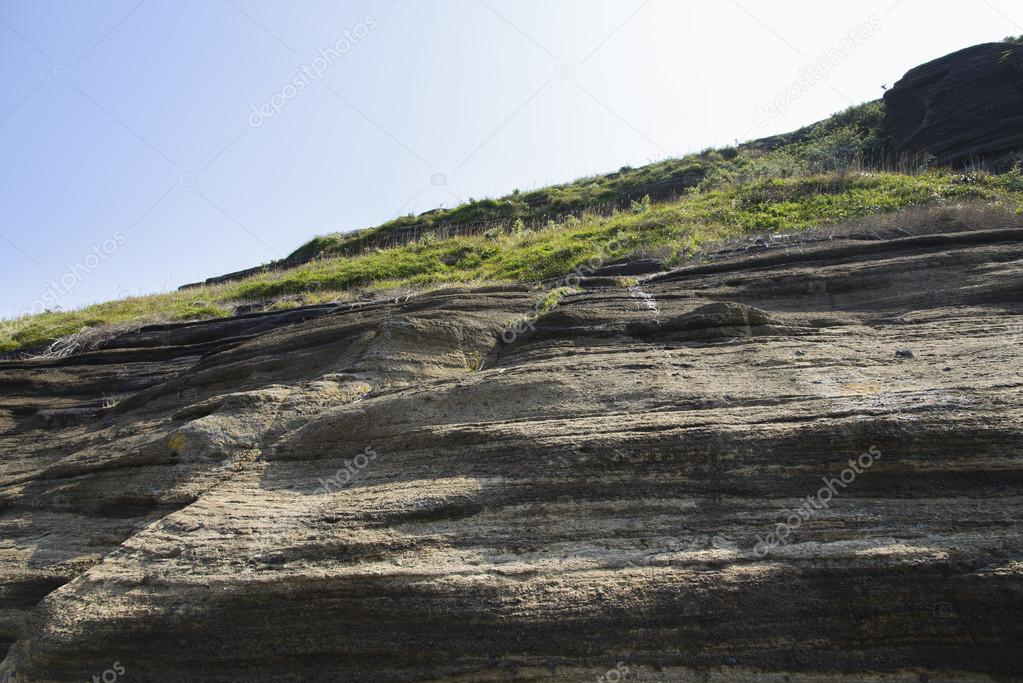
[149, 144]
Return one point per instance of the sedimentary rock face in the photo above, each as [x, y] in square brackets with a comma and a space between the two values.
[725, 472]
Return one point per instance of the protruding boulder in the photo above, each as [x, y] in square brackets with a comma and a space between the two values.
[721, 319]
[966, 107]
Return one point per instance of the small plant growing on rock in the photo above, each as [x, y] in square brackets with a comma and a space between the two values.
[641, 206]
[551, 299]
[1013, 180]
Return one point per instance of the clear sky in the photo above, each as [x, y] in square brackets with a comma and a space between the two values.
[149, 144]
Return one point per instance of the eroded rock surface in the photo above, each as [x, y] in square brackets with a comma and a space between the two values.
[392, 493]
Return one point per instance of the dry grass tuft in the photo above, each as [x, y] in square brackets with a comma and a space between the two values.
[930, 220]
[87, 339]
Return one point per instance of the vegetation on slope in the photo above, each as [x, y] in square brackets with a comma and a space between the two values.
[675, 229]
[852, 137]
[817, 176]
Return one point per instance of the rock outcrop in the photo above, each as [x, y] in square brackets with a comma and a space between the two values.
[964, 108]
[725, 472]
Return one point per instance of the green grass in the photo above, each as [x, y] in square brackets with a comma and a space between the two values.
[847, 138]
[35, 329]
[551, 299]
[677, 228]
[776, 204]
[815, 176]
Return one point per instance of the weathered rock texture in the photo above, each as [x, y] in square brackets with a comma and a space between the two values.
[392, 493]
[966, 107]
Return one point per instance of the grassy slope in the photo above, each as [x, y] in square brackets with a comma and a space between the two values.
[792, 183]
[836, 143]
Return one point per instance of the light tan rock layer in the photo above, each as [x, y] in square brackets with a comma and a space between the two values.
[392, 493]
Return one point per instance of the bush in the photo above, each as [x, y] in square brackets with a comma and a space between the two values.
[836, 151]
[641, 206]
[1013, 180]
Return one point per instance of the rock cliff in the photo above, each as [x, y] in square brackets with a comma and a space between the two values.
[798, 464]
[964, 108]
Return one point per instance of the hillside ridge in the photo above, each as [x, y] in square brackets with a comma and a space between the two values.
[768, 428]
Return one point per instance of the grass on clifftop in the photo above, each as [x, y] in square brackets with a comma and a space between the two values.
[817, 176]
[849, 138]
[672, 230]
